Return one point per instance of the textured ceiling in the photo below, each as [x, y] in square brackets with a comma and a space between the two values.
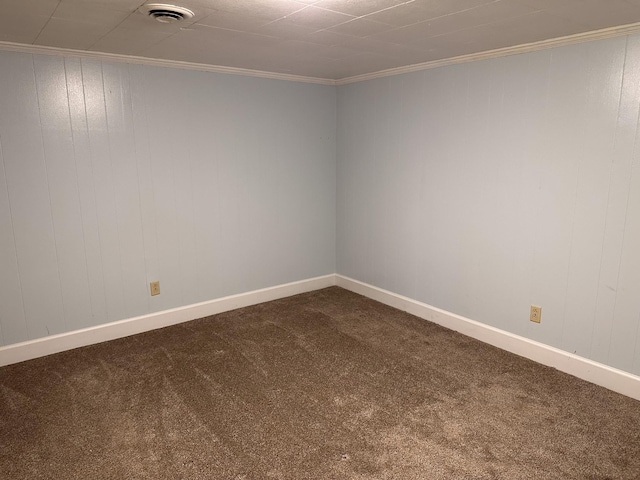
[329, 39]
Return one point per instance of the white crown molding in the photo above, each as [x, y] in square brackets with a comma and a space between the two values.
[158, 62]
[500, 52]
[594, 372]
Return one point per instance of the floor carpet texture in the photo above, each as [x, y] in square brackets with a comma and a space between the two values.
[323, 385]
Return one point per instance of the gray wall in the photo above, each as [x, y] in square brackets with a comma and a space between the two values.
[114, 175]
[479, 188]
[485, 187]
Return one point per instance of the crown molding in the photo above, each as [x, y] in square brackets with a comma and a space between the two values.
[156, 62]
[500, 52]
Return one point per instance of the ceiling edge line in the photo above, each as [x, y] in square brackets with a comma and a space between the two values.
[43, 50]
[602, 34]
[501, 52]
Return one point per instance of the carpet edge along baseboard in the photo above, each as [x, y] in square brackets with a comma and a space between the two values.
[603, 375]
[589, 370]
[28, 350]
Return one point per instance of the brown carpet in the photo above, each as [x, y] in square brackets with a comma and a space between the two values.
[325, 385]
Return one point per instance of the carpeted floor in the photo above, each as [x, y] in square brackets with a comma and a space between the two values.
[325, 385]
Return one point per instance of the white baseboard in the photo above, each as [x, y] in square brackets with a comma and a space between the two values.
[20, 352]
[594, 372]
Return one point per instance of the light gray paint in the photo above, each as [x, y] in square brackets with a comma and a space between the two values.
[114, 175]
[485, 187]
[479, 188]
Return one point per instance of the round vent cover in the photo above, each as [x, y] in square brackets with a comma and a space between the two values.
[166, 13]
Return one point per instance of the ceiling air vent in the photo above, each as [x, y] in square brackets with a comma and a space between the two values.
[166, 13]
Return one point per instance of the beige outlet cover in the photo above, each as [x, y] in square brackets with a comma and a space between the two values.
[535, 314]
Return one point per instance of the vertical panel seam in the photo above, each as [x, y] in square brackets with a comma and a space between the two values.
[46, 172]
[86, 115]
[624, 231]
[573, 229]
[153, 187]
[538, 208]
[113, 194]
[15, 247]
[135, 149]
[637, 335]
[606, 220]
[635, 347]
[75, 163]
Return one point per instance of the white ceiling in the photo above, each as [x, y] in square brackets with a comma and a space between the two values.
[328, 39]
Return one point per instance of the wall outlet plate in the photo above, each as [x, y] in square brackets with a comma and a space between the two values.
[155, 288]
[535, 315]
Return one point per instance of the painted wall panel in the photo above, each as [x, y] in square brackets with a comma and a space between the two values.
[143, 136]
[126, 188]
[104, 188]
[62, 180]
[86, 191]
[605, 75]
[623, 349]
[625, 150]
[516, 174]
[11, 306]
[29, 197]
[204, 174]
[563, 151]
[114, 175]
[479, 188]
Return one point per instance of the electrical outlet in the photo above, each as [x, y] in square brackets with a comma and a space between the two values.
[536, 313]
[155, 288]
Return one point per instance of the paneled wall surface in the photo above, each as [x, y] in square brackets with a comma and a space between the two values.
[485, 187]
[115, 175]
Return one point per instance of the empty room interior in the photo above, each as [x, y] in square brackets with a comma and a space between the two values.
[320, 239]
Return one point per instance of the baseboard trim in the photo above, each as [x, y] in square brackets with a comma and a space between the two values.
[594, 372]
[41, 347]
